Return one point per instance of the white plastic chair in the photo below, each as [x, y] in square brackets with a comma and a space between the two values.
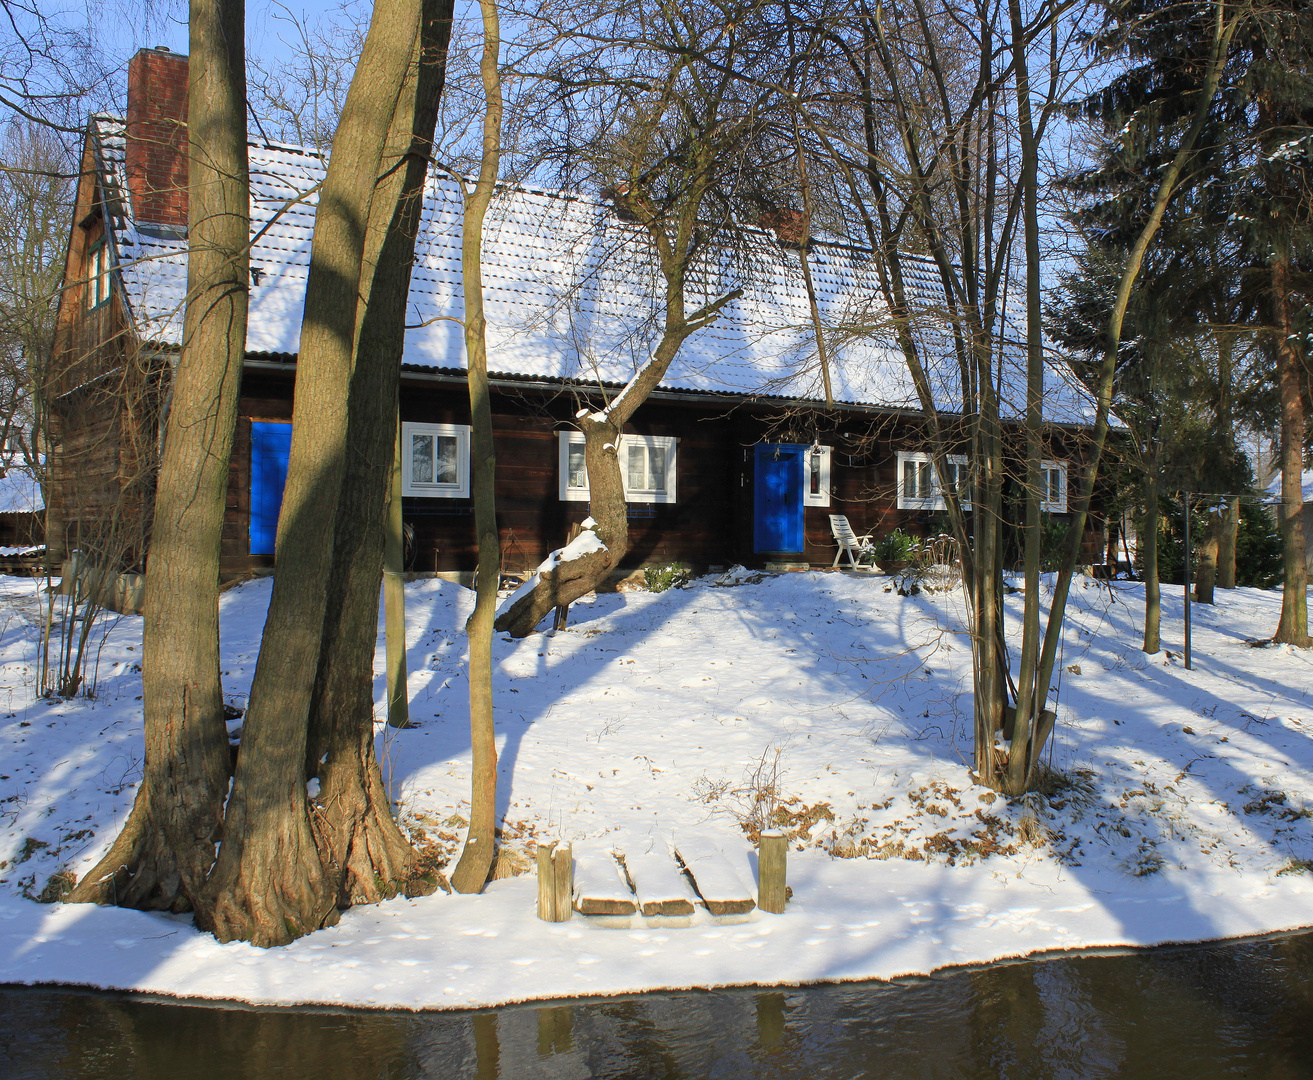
[853, 545]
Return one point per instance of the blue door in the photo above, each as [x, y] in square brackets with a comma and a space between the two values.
[777, 497]
[270, 443]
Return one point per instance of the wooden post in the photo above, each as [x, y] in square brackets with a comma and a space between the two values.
[555, 882]
[563, 881]
[546, 884]
[772, 871]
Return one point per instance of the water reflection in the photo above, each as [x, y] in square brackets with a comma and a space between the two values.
[1202, 1012]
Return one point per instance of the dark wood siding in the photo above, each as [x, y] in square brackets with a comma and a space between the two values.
[709, 524]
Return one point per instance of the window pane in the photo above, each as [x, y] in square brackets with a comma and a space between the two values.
[446, 470]
[577, 473]
[909, 479]
[656, 464]
[94, 275]
[637, 467]
[924, 486]
[814, 483]
[421, 459]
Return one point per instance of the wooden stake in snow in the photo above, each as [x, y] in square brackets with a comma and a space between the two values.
[772, 868]
[555, 882]
[563, 881]
[546, 884]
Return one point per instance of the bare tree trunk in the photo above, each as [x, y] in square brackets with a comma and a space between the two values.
[358, 835]
[269, 884]
[1226, 544]
[1029, 704]
[167, 846]
[476, 859]
[1293, 627]
[394, 595]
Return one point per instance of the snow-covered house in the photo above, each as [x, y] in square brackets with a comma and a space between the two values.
[733, 459]
[22, 513]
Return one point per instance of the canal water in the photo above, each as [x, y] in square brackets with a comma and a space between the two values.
[1224, 1010]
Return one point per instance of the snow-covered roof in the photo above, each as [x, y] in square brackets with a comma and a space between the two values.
[573, 293]
[19, 491]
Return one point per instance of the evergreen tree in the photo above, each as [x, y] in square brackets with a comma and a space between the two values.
[1238, 242]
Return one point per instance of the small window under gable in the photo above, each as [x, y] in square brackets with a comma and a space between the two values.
[817, 490]
[435, 460]
[1053, 487]
[919, 486]
[647, 468]
[98, 277]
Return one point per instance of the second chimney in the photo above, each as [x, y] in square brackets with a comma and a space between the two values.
[156, 152]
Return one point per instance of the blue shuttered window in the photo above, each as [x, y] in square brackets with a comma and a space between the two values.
[270, 443]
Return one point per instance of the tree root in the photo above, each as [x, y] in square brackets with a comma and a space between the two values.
[357, 835]
[139, 870]
[269, 886]
[474, 866]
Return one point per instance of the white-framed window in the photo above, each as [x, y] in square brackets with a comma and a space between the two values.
[816, 490]
[647, 467]
[919, 487]
[435, 460]
[98, 274]
[1053, 487]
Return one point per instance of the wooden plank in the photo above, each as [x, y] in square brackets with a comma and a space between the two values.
[716, 881]
[563, 886]
[600, 887]
[772, 866]
[660, 887]
[546, 884]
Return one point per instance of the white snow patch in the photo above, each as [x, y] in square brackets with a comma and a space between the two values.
[839, 711]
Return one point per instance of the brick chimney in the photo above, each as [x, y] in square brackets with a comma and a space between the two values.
[157, 137]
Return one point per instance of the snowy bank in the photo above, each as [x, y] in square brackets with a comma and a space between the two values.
[1180, 807]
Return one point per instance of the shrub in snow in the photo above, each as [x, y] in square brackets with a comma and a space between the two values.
[672, 575]
[894, 547]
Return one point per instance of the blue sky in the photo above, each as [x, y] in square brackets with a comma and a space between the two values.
[124, 26]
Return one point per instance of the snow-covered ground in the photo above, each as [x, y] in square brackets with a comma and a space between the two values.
[1180, 806]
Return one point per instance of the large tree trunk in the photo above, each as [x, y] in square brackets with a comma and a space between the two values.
[394, 594]
[1293, 628]
[167, 845]
[270, 884]
[476, 858]
[359, 836]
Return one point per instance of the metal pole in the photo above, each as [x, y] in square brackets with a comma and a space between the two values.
[1189, 558]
